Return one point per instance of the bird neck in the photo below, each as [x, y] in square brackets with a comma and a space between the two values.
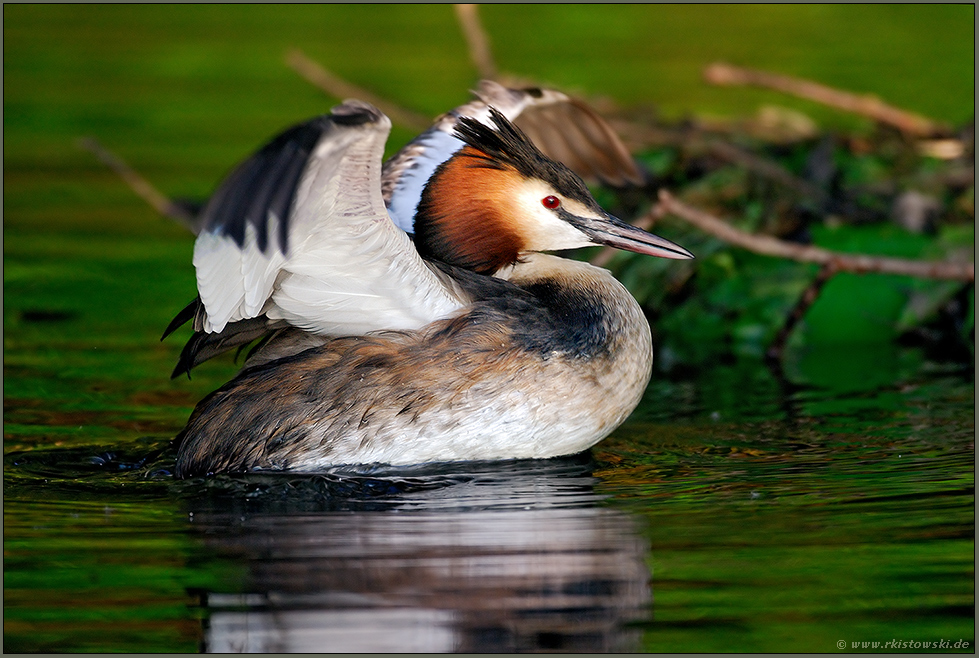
[579, 311]
[462, 218]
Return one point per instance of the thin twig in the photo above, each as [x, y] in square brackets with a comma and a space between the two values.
[720, 73]
[843, 262]
[802, 305]
[479, 48]
[337, 87]
[142, 187]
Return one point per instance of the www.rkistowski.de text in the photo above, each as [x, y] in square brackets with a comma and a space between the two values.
[905, 644]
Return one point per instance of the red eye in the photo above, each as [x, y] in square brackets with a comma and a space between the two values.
[551, 202]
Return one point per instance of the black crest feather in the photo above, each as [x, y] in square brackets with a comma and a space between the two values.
[507, 145]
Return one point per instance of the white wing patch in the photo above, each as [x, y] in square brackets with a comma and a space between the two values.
[347, 270]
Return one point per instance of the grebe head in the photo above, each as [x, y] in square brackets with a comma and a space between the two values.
[499, 197]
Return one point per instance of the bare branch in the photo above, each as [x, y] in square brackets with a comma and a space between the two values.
[142, 187]
[843, 262]
[337, 87]
[802, 305]
[479, 48]
[913, 124]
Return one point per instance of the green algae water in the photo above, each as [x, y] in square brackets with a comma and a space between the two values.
[824, 505]
[789, 523]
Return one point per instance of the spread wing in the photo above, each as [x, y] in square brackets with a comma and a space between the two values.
[563, 128]
[567, 130]
[299, 233]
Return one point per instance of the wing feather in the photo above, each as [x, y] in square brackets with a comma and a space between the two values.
[568, 130]
[299, 232]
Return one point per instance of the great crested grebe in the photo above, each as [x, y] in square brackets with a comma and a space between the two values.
[463, 343]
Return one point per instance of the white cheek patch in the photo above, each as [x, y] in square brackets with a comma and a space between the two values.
[542, 229]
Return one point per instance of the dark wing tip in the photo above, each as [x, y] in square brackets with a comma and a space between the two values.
[187, 359]
[186, 314]
[263, 185]
[203, 346]
[353, 112]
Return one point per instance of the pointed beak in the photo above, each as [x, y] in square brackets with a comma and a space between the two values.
[613, 232]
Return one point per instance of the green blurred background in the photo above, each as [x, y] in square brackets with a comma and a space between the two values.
[184, 91]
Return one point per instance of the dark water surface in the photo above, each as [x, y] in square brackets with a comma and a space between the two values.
[739, 513]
